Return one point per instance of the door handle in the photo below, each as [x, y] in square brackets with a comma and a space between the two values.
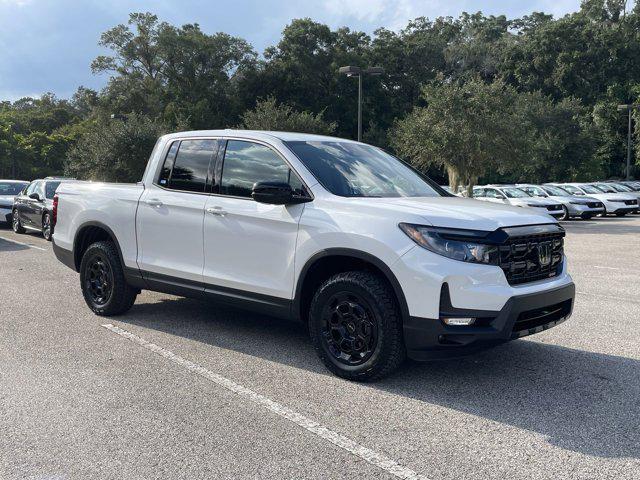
[216, 211]
[154, 202]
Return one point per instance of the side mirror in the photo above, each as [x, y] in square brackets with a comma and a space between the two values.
[274, 193]
[34, 196]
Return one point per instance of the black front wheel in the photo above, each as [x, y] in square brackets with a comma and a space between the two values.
[356, 327]
[15, 222]
[46, 227]
[102, 281]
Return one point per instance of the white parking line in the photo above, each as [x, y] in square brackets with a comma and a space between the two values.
[368, 455]
[23, 244]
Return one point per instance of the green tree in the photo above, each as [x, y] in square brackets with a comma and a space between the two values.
[114, 150]
[268, 115]
[470, 129]
[178, 75]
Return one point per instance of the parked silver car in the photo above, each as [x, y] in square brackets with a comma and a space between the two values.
[9, 189]
[572, 205]
[512, 195]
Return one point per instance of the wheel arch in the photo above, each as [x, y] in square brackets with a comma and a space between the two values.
[334, 260]
[91, 232]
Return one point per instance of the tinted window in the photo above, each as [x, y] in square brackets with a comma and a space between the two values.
[591, 189]
[573, 190]
[246, 163]
[515, 193]
[535, 191]
[50, 189]
[605, 188]
[31, 188]
[478, 192]
[555, 191]
[493, 193]
[356, 170]
[168, 164]
[191, 166]
[10, 188]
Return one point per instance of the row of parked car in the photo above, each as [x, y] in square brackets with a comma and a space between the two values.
[29, 205]
[565, 201]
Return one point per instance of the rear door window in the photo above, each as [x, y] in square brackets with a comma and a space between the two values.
[190, 170]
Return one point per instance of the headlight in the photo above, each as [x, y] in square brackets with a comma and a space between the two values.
[452, 243]
[584, 204]
[535, 205]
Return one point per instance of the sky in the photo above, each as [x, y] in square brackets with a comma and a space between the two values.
[48, 45]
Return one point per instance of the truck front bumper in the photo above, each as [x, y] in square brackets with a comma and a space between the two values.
[429, 339]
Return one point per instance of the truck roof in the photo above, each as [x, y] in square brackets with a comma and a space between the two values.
[259, 135]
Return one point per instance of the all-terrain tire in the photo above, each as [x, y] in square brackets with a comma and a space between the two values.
[367, 296]
[102, 280]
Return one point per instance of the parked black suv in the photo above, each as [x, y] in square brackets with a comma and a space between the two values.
[32, 208]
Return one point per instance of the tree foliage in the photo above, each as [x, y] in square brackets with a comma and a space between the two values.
[114, 150]
[470, 128]
[559, 79]
[268, 115]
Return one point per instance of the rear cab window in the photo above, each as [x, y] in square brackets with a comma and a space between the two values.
[187, 165]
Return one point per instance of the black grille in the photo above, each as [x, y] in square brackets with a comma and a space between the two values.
[542, 316]
[631, 202]
[594, 204]
[522, 258]
[554, 207]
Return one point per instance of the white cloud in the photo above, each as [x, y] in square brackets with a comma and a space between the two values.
[395, 14]
[17, 3]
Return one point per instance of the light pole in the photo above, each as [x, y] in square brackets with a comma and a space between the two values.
[353, 71]
[629, 108]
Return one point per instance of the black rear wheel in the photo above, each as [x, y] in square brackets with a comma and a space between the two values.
[15, 222]
[104, 287]
[356, 327]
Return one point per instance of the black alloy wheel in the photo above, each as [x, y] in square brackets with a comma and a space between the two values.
[355, 326]
[102, 280]
[99, 280]
[349, 329]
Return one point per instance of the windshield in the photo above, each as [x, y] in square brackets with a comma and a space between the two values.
[605, 188]
[355, 170]
[619, 188]
[11, 188]
[50, 189]
[572, 190]
[556, 191]
[590, 189]
[537, 191]
[515, 193]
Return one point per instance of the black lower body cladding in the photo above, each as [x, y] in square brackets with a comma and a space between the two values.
[522, 315]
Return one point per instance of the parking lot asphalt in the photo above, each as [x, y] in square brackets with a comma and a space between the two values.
[179, 388]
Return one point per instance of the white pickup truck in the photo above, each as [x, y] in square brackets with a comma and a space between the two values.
[376, 259]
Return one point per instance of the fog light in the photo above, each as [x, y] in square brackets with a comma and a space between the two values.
[457, 321]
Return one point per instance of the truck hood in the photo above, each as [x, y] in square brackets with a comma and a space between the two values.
[456, 212]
